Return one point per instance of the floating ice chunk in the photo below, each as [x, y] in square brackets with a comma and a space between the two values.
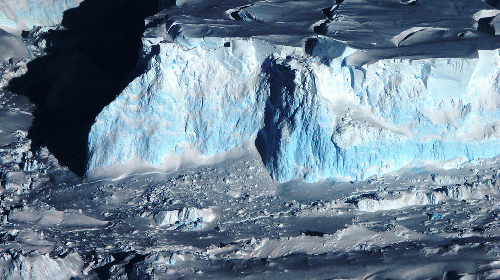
[383, 202]
[419, 35]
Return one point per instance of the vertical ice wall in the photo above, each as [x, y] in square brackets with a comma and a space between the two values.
[18, 15]
[193, 102]
[312, 116]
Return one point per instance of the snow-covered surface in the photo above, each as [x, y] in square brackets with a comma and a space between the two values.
[19, 15]
[229, 218]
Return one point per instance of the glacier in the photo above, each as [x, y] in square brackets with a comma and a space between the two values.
[18, 15]
[311, 111]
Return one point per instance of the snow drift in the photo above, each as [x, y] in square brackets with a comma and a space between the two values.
[310, 112]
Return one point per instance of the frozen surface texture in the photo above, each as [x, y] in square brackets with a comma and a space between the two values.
[18, 15]
[15, 265]
[313, 114]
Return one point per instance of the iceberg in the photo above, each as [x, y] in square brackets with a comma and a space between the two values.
[311, 111]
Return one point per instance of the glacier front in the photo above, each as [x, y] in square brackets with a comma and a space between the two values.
[312, 111]
[18, 15]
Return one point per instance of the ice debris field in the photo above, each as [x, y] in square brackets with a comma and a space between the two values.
[277, 139]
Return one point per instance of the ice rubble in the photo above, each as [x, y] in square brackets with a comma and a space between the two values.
[412, 197]
[310, 113]
[18, 15]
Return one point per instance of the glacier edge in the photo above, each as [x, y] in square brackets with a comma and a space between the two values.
[313, 116]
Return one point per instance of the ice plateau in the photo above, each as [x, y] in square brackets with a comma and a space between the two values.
[311, 111]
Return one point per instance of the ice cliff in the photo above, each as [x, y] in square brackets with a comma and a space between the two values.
[18, 15]
[309, 110]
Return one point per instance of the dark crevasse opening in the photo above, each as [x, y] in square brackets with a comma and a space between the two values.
[86, 66]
